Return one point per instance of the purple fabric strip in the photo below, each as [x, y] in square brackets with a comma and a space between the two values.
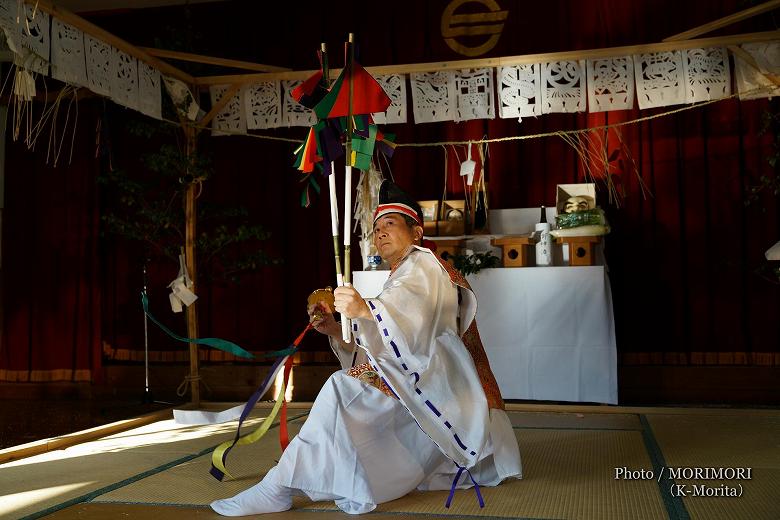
[452, 489]
[476, 488]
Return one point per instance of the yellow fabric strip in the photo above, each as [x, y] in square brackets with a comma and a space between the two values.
[216, 457]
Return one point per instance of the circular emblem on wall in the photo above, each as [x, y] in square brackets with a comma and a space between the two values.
[485, 24]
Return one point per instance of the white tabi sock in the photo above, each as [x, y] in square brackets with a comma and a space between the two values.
[264, 497]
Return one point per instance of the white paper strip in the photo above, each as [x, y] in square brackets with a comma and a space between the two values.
[149, 91]
[182, 97]
[203, 417]
[610, 84]
[124, 79]
[293, 113]
[660, 79]
[263, 105]
[68, 63]
[520, 91]
[707, 74]
[433, 96]
[474, 97]
[563, 86]
[99, 59]
[231, 117]
[752, 83]
[394, 86]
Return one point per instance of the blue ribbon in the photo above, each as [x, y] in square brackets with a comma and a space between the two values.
[455, 483]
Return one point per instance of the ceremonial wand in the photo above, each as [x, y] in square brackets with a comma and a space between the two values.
[350, 58]
[334, 207]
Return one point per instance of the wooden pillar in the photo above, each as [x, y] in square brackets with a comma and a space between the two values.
[190, 217]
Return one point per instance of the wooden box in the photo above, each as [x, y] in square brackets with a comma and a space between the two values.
[514, 249]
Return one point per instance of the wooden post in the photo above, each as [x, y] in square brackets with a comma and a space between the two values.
[190, 217]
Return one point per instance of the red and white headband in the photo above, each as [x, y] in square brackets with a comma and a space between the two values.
[384, 209]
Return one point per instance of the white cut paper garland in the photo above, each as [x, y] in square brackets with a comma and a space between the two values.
[35, 33]
[520, 91]
[610, 84]
[149, 91]
[433, 96]
[263, 105]
[752, 83]
[394, 86]
[293, 113]
[660, 79]
[124, 79]
[563, 86]
[231, 117]
[68, 63]
[474, 97]
[99, 57]
[707, 74]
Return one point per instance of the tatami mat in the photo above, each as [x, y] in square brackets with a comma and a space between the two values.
[569, 462]
[36, 483]
[572, 477]
[724, 442]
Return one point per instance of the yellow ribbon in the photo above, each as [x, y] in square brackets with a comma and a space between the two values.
[216, 457]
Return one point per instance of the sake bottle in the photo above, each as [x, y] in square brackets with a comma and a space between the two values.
[544, 245]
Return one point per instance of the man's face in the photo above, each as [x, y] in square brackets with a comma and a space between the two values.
[392, 236]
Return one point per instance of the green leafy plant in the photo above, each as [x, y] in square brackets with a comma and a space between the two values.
[470, 262]
[148, 208]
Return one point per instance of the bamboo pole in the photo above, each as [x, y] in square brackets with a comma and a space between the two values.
[607, 52]
[725, 21]
[190, 216]
[334, 204]
[346, 326]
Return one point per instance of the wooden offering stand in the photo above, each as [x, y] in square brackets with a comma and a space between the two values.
[514, 249]
[446, 248]
[581, 249]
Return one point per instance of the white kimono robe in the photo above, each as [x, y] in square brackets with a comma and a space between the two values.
[360, 447]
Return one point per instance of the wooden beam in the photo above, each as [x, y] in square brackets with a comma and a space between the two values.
[219, 105]
[210, 60]
[725, 21]
[610, 52]
[101, 34]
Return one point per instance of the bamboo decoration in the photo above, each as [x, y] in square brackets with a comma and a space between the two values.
[334, 205]
[345, 323]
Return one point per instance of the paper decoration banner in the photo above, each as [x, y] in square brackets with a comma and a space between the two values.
[660, 79]
[752, 82]
[563, 86]
[149, 91]
[231, 117]
[99, 59]
[124, 79]
[394, 86]
[433, 96]
[707, 74]
[263, 105]
[35, 31]
[474, 97]
[67, 54]
[520, 91]
[610, 84]
[293, 113]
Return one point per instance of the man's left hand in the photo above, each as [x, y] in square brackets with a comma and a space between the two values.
[350, 304]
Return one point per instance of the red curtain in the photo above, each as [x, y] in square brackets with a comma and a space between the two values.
[682, 262]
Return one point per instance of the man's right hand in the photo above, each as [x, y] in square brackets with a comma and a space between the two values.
[326, 324]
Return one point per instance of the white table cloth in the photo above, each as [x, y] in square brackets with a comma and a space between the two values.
[548, 332]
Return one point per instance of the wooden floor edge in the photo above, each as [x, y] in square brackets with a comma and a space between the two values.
[71, 439]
